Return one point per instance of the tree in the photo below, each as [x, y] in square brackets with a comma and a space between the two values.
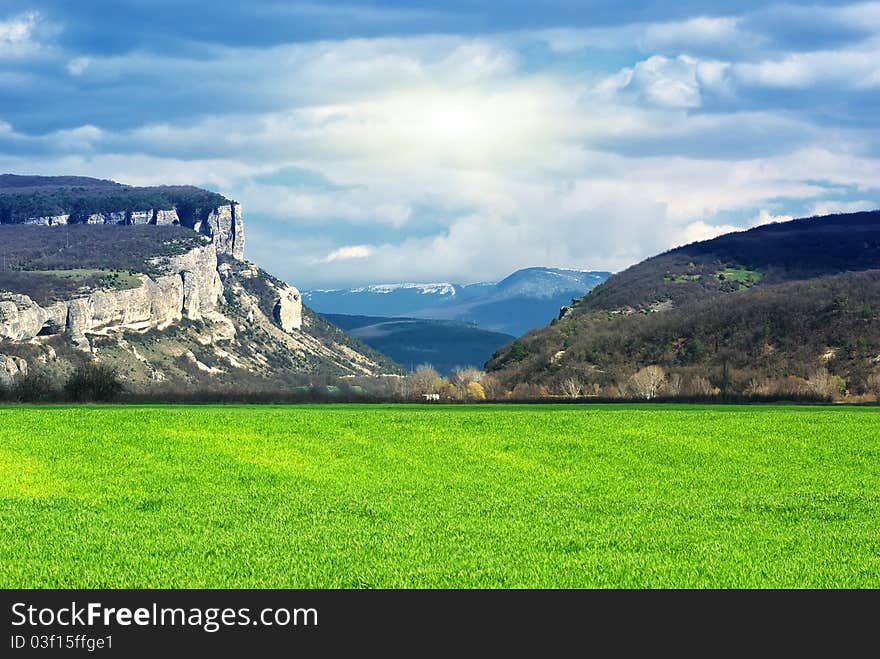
[646, 382]
[672, 386]
[527, 391]
[475, 391]
[94, 382]
[424, 380]
[493, 387]
[571, 387]
[461, 378]
[517, 351]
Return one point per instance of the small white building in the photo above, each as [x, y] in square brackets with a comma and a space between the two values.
[431, 397]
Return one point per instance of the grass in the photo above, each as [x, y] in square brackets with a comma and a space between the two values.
[746, 278]
[436, 496]
[681, 279]
[47, 286]
[105, 277]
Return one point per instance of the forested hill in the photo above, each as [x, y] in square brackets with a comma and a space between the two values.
[776, 309]
[766, 255]
[24, 197]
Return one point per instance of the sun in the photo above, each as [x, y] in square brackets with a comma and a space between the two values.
[455, 119]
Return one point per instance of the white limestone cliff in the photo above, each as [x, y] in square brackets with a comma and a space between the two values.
[190, 289]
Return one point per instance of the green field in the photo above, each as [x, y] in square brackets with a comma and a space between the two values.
[431, 496]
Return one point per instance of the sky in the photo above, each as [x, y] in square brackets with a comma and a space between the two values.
[374, 142]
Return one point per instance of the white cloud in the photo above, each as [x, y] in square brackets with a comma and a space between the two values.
[857, 68]
[17, 34]
[78, 65]
[699, 230]
[831, 207]
[698, 32]
[766, 217]
[666, 82]
[348, 253]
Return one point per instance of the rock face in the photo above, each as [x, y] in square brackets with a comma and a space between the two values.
[11, 368]
[226, 227]
[288, 309]
[224, 224]
[191, 289]
[165, 217]
[48, 220]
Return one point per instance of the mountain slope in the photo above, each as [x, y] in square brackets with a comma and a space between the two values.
[766, 255]
[526, 299]
[164, 303]
[444, 344]
[771, 307]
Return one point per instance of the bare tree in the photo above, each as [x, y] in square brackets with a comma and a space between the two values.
[461, 378]
[425, 380]
[571, 388]
[646, 382]
[698, 386]
[672, 386]
[821, 384]
[493, 388]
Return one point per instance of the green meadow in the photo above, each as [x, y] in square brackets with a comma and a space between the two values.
[370, 496]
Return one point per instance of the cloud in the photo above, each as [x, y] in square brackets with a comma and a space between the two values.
[831, 207]
[666, 82]
[839, 69]
[348, 253]
[17, 35]
[699, 231]
[766, 217]
[389, 151]
[78, 65]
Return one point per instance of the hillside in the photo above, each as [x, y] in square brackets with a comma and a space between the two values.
[778, 307]
[526, 299]
[444, 344]
[766, 255]
[168, 306]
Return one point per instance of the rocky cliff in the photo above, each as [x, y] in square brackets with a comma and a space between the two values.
[190, 289]
[59, 201]
[162, 305]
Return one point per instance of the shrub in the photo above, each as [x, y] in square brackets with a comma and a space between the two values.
[35, 387]
[94, 382]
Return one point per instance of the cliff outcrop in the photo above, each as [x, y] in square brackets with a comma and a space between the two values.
[223, 224]
[59, 201]
[175, 305]
[190, 289]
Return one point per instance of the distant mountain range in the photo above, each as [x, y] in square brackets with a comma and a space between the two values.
[444, 344]
[525, 300]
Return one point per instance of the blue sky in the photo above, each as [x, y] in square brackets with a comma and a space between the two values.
[417, 141]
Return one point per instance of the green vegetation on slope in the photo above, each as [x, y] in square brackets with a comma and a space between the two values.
[39, 196]
[47, 286]
[50, 264]
[371, 496]
[753, 312]
[78, 247]
[731, 342]
[770, 254]
[742, 276]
